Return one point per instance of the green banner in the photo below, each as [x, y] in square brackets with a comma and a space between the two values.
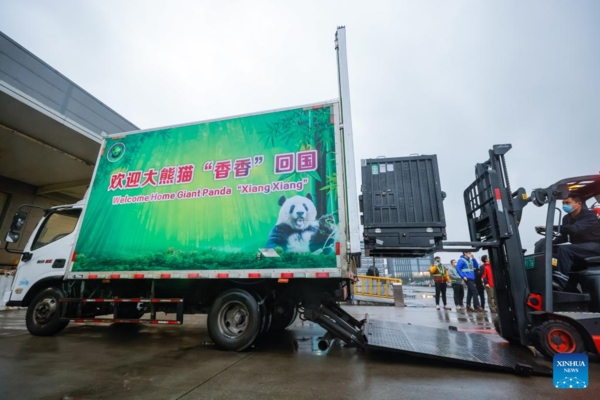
[254, 192]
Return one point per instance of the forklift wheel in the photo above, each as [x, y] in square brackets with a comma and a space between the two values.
[554, 336]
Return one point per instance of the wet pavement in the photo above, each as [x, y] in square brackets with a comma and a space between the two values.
[151, 362]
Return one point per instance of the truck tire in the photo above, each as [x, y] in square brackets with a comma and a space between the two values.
[234, 320]
[266, 316]
[284, 315]
[130, 311]
[42, 318]
[555, 336]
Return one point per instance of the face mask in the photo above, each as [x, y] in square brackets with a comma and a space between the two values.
[568, 208]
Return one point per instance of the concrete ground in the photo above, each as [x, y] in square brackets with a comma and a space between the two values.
[170, 362]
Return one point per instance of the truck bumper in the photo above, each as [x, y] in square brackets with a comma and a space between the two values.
[6, 301]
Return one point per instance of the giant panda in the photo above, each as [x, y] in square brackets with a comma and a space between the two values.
[295, 226]
[323, 241]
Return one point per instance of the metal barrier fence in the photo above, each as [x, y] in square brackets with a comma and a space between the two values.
[375, 286]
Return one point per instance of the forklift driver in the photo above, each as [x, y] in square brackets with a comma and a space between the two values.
[581, 228]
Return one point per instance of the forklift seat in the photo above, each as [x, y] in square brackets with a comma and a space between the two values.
[592, 262]
[589, 267]
[589, 280]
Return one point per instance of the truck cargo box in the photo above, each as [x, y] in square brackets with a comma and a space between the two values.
[250, 196]
[401, 205]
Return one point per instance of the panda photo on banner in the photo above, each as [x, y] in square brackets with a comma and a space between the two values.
[298, 230]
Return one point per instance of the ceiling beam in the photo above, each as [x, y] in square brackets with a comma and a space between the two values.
[59, 187]
[46, 145]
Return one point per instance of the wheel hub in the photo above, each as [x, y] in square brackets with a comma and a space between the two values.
[561, 341]
[233, 319]
[44, 310]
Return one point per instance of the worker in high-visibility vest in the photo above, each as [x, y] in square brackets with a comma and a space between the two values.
[440, 276]
[458, 286]
[466, 266]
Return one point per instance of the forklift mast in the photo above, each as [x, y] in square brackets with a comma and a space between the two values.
[493, 215]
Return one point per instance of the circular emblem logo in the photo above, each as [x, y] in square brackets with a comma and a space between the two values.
[116, 152]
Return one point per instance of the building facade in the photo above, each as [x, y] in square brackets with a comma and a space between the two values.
[410, 269]
[407, 269]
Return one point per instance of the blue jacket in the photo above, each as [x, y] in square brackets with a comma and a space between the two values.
[466, 267]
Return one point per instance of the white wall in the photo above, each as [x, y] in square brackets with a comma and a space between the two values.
[5, 284]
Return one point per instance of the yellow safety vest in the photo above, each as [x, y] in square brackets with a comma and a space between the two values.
[470, 264]
[442, 272]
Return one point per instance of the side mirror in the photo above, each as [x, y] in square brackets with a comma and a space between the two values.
[12, 237]
[18, 222]
[539, 197]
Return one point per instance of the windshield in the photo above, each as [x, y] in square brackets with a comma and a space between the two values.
[58, 225]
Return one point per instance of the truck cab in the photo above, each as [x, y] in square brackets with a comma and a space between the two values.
[44, 258]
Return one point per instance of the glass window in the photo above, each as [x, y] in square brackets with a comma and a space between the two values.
[58, 225]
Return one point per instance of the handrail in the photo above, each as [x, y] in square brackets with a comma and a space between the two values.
[364, 286]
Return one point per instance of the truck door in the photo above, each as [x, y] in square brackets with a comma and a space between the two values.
[47, 253]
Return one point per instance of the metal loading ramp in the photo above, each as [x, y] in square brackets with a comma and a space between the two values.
[454, 346]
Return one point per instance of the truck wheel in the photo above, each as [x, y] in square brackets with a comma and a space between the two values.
[266, 316]
[43, 317]
[130, 311]
[284, 315]
[554, 336]
[234, 320]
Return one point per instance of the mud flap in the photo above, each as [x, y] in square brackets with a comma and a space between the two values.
[453, 346]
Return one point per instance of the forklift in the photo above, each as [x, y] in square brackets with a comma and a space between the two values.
[403, 217]
[530, 311]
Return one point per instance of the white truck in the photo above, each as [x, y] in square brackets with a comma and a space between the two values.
[250, 219]
[254, 219]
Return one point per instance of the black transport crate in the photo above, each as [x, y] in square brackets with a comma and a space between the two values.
[401, 206]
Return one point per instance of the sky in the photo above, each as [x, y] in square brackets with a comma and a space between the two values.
[450, 78]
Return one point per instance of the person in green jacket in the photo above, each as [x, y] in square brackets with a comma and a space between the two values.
[458, 286]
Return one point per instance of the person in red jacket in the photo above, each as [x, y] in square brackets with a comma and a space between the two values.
[488, 281]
